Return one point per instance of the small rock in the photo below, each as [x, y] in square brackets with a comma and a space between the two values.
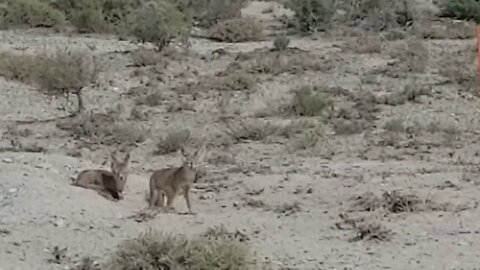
[7, 160]
[12, 190]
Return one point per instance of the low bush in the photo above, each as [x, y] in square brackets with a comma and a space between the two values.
[210, 12]
[280, 43]
[309, 101]
[237, 30]
[29, 13]
[156, 250]
[461, 9]
[312, 15]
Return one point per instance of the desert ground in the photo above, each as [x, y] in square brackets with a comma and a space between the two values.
[385, 178]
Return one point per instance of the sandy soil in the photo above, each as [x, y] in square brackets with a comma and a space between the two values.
[287, 202]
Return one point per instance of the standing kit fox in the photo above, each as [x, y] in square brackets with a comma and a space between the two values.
[170, 181]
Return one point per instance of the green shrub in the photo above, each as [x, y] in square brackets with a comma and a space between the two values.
[462, 9]
[237, 30]
[31, 13]
[312, 15]
[156, 250]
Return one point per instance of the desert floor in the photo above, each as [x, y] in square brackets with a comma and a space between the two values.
[395, 126]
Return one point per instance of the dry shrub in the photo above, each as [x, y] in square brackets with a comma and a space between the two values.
[309, 139]
[393, 202]
[411, 92]
[250, 130]
[160, 22]
[237, 30]
[311, 15]
[364, 229]
[288, 209]
[280, 43]
[353, 113]
[461, 9]
[30, 13]
[173, 142]
[459, 68]
[221, 233]
[100, 128]
[376, 15]
[277, 62]
[372, 231]
[18, 67]
[156, 250]
[145, 57]
[151, 21]
[151, 99]
[309, 101]
[239, 81]
[60, 74]
[210, 12]
[364, 45]
[412, 56]
[445, 29]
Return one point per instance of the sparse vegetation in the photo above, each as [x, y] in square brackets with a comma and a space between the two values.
[160, 22]
[156, 250]
[210, 12]
[29, 13]
[237, 30]
[461, 9]
[309, 101]
[312, 15]
[59, 74]
[173, 142]
[150, 21]
[102, 128]
[280, 43]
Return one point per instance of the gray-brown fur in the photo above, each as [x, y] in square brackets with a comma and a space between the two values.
[170, 181]
[109, 184]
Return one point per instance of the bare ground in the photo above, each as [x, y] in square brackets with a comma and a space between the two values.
[287, 201]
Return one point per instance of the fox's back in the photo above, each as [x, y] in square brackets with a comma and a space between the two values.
[162, 177]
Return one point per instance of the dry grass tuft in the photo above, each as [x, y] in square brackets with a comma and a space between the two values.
[412, 56]
[156, 250]
[372, 231]
[364, 45]
[393, 202]
[273, 62]
[365, 229]
[244, 131]
[173, 142]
